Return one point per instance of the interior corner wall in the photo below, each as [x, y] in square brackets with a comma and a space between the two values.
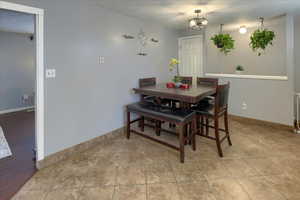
[17, 70]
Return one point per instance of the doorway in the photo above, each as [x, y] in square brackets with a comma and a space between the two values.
[22, 120]
[190, 53]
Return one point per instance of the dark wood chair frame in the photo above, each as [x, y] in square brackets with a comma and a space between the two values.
[210, 82]
[144, 82]
[219, 111]
[180, 130]
[186, 79]
[207, 81]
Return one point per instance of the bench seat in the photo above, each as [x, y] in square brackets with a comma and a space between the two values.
[181, 118]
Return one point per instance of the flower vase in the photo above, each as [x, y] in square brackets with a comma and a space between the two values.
[178, 84]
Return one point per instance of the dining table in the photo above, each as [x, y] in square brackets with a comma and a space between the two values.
[186, 97]
[191, 95]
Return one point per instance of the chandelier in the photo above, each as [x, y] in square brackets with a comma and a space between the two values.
[198, 22]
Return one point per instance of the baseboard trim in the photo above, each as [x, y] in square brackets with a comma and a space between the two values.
[64, 154]
[15, 110]
[261, 122]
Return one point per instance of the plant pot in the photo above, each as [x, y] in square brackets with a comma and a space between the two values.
[238, 72]
[220, 45]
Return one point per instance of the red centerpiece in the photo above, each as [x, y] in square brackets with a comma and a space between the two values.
[185, 86]
[170, 85]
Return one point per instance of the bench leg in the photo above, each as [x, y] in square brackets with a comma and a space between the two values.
[190, 131]
[193, 131]
[128, 125]
[201, 125]
[206, 126]
[185, 133]
[180, 132]
[142, 123]
[157, 127]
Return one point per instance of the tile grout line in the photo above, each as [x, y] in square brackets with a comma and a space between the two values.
[146, 182]
[115, 183]
[244, 189]
[279, 191]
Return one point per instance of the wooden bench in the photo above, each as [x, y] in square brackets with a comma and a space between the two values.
[181, 118]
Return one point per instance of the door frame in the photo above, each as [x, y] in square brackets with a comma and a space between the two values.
[39, 30]
[192, 37]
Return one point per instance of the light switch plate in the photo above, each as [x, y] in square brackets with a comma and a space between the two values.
[101, 60]
[50, 73]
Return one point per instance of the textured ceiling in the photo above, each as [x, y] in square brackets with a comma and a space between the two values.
[176, 13]
[11, 21]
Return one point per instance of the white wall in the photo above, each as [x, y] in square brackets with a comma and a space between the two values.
[271, 63]
[269, 100]
[297, 53]
[87, 99]
[17, 70]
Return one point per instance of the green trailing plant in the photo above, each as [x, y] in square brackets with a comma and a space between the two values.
[177, 79]
[261, 38]
[223, 41]
[239, 68]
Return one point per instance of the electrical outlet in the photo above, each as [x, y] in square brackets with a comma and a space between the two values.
[50, 73]
[25, 98]
[244, 106]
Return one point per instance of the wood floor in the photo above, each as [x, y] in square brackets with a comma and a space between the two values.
[16, 170]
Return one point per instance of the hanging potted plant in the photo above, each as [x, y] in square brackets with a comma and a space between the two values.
[223, 41]
[261, 38]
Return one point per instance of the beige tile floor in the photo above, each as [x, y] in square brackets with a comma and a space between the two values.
[262, 164]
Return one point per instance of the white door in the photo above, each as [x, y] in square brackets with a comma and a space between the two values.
[191, 56]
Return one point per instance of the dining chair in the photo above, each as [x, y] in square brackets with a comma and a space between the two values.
[186, 79]
[214, 112]
[144, 82]
[207, 81]
[207, 101]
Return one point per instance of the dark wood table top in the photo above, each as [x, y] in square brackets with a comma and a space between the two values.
[192, 95]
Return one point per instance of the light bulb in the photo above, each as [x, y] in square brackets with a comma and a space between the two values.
[204, 22]
[243, 30]
[192, 23]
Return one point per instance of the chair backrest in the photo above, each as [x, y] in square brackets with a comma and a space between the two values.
[207, 81]
[221, 100]
[144, 82]
[186, 79]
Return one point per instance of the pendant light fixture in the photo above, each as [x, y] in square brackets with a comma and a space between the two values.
[198, 22]
[243, 30]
